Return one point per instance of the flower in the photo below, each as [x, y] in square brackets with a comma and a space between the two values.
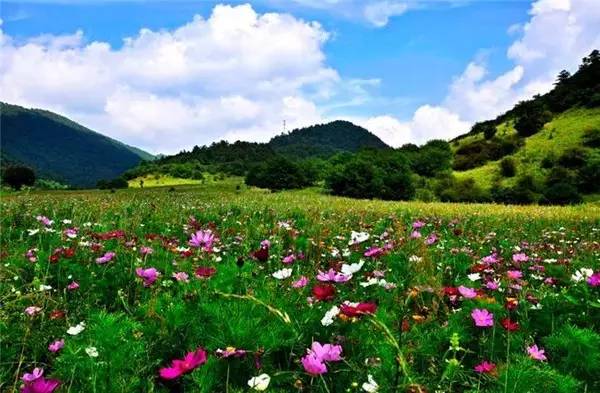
[358, 237]
[262, 254]
[330, 315]
[73, 286]
[202, 239]
[509, 325]
[289, 259]
[181, 366]
[467, 293]
[205, 272]
[582, 274]
[313, 365]
[282, 274]
[485, 367]
[32, 310]
[492, 285]
[44, 220]
[514, 274]
[334, 276]
[431, 239]
[106, 258]
[41, 385]
[490, 259]
[230, 352]
[520, 257]
[324, 291]
[35, 374]
[92, 352]
[260, 382]
[536, 353]
[327, 352]
[181, 277]
[75, 330]
[144, 250]
[71, 233]
[415, 234]
[374, 252]
[300, 283]
[594, 280]
[482, 317]
[56, 346]
[352, 268]
[370, 386]
[418, 224]
[474, 276]
[148, 275]
[352, 310]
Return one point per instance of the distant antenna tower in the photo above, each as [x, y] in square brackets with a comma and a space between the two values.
[284, 126]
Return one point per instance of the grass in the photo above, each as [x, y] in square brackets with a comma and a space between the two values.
[418, 339]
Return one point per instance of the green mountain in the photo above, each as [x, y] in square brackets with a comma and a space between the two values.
[60, 149]
[325, 140]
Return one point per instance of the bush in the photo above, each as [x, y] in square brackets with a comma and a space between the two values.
[591, 138]
[18, 176]
[562, 194]
[524, 192]
[589, 175]
[465, 190]
[573, 158]
[532, 117]
[116, 183]
[276, 174]
[434, 157]
[508, 167]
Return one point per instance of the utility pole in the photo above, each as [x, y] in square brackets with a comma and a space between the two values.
[284, 126]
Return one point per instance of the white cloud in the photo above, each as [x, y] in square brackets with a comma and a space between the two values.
[236, 73]
[379, 13]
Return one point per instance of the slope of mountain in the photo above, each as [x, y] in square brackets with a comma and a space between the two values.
[325, 140]
[60, 149]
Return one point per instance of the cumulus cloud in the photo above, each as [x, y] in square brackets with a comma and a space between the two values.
[236, 73]
[380, 12]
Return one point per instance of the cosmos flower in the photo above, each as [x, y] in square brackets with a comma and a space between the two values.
[594, 280]
[431, 239]
[467, 293]
[107, 257]
[262, 254]
[282, 274]
[44, 220]
[260, 382]
[352, 268]
[509, 325]
[327, 352]
[181, 366]
[32, 376]
[358, 237]
[75, 330]
[205, 272]
[300, 283]
[313, 365]
[41, 385]
[324, 291]
[333, 276]
[92, 352]
[230, 352]
[520, 257]
[514, 274]
[536, 353]
[330, 315]
[73, 286]
[181, 276]
[482, 317]
[56, 346]
[149, 275]
[357, 309]
[415, 235]
[485, 367]
[370, 386]
[582, 274]
[490, 259]
[418, 224]
[202, 239]
[289, 259]
[374, 252]
[144, 250]
[32, 310]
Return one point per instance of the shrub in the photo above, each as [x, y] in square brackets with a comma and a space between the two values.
[276, 174]
[18, 176]
[525, 191]
[532, 117]
[116, 183]
[508, 167]
[465, 190]
[562, 194]
[591, 138]
[589, 175]
[573, 158]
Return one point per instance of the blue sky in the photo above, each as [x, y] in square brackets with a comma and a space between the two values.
[388, 63]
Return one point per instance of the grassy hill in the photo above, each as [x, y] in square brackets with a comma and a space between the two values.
[60, 149]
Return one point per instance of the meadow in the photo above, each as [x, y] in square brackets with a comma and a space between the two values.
[222, 288]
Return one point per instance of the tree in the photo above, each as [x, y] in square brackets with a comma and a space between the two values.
[508, 167]
[562, 77]
[18, 176]
[532, 117]
[277, 173]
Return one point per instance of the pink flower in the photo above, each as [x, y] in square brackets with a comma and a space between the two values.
[181, 366]
[32, 310]
[230, 352]
[73, 286]
[203, 239]
[71, 233]
[327, 352]
[485, 367]
[594, 280]
[148, 275]
[418, 224]
[300, 283]
[41, 385]
[482, 317]
[536, 353]
[431, 239]
[146, 250]
[467, 293]
[374, 252]
[313, 365]
[106, 258]
[492, 285]
[289, 259]
[490, 259]
[520, 257]
[56, 345]
[415, 235]
[514, 274]
[31, 255]
[44, 220]
[265, 244]
[181, 276]
[35, 374]
[334, 276]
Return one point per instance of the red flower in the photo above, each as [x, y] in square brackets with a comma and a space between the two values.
[262, 254]
[358, 310]
[451, 291]
[511, 303]
[205, 272]
[510, 325]
[185, 365]
[324, 291]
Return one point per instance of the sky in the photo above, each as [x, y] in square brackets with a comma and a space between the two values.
[167, 75]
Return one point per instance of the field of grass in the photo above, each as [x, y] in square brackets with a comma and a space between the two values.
[104, 291]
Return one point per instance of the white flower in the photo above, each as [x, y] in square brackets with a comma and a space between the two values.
[259, 383]
[582, 274]
[358, 237]
[66, 222]
[474, 276]
[415, 258]
[92, 352]
[32, 232]
[44, 288]
[370, 386]
[330, 315]
[372, 281]
[75, 330]
[352, 268]
[282, 274]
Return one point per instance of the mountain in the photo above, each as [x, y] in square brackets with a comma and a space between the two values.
[325, 140]
[60, 149]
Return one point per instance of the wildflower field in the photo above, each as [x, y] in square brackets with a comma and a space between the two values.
[217, 288]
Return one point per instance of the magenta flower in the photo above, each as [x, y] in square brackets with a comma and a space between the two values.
[181, 366]
[205, 272]
[492, 285]
[56, 346]
[514, 274]
[289, 259]
[485, 367]
[32, 376]
[41, 385]
[374, 252]
[431, 239]
[520, 257]
[144, 250]
[265, 244]
[482, 317]
[334, 276]
[327, 352]
[536, 353]
[313, 365]
[300, 283]
[594, 280]
[181, 277]
[467, 293]
[73, 286]
[418, 224]
[203, 239]
[106, 258]
[490, 259]
[148, 275]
